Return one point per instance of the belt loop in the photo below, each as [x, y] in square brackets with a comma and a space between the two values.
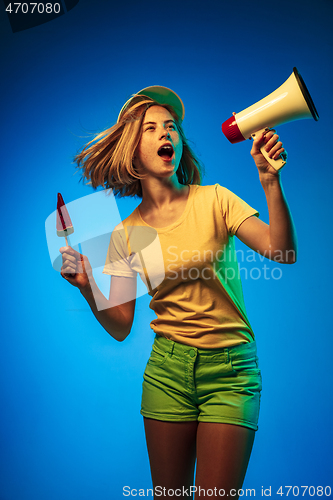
[171, 347]
[227, 355]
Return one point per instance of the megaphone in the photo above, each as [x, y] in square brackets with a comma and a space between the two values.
[292, 101]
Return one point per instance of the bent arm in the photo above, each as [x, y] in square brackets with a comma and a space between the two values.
[278, 240]
[115, 314]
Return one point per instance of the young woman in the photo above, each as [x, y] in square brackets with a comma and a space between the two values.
[202, 384]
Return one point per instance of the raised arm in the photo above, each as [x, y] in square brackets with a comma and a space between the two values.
[277, 241]
[115, 314]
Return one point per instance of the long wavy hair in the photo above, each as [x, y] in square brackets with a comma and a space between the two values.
[107, 160]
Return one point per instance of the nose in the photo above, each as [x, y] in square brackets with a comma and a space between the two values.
[165, 133]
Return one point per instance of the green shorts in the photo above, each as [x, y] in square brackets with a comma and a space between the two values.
[183, 383]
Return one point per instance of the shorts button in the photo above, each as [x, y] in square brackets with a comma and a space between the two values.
[192, 353]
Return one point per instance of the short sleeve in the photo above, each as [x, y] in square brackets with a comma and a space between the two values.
[234, 209]
[118, 259]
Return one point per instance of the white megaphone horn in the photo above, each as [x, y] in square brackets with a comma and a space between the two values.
[292, 101]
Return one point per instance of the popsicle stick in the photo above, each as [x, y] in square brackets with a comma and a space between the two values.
[68, 241]
[68, 244]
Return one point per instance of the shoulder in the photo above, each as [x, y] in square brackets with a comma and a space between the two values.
[120, 231]
[131, 220]
[204, 190]
[226, 197]
[211, 189]
[227, 201]
[215, 192]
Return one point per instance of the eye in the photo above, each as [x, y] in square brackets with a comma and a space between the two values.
[150, 128]
[172, 127]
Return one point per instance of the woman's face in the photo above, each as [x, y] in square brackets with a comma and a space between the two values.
[160, 148]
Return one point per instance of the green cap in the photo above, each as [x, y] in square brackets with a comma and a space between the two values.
[162, 95]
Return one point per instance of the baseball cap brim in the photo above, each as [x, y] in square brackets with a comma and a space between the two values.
[162, 95]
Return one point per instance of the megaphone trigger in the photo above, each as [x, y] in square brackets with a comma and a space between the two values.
[267, 129]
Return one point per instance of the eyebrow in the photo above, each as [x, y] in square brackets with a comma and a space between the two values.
[154, 123]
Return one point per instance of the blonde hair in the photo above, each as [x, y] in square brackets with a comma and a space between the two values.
[107, 160]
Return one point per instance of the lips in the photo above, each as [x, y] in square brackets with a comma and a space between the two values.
[166, 152]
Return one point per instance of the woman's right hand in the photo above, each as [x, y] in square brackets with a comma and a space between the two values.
[75, 268]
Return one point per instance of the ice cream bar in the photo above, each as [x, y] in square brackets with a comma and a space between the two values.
[64, 223]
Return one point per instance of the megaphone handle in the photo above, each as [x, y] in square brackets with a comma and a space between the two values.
[277, 164]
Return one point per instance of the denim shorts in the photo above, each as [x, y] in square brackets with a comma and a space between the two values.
[183, 383]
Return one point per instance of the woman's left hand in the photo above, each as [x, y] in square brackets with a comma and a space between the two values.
[273, 146]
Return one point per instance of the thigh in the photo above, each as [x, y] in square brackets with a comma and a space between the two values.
[172, 451]
[223, 453]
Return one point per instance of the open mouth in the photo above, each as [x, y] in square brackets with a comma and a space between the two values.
[165, 152]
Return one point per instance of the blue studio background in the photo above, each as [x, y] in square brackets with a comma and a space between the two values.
[70, 394]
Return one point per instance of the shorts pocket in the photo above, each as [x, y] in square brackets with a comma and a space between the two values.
[157, 357]
[245, 365]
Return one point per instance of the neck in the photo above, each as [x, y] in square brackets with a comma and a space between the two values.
[159, 193]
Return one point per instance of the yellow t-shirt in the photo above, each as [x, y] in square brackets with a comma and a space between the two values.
[190, 268]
